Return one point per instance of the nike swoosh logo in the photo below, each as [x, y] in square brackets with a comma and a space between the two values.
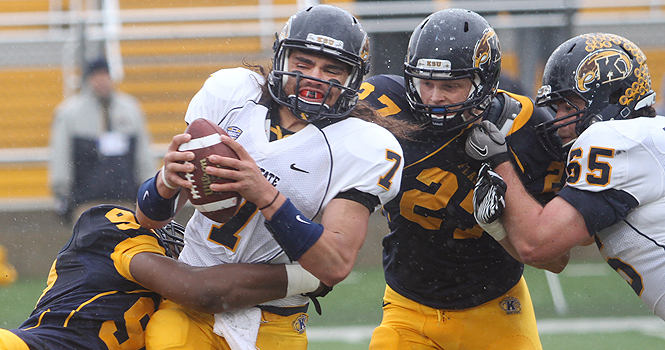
[145, 195]
[301, 220]
[481, 151]
[293, 167]
[385, 304]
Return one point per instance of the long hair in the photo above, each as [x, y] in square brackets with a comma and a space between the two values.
[399, 128]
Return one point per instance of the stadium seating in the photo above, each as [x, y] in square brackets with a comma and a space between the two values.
[162, 73]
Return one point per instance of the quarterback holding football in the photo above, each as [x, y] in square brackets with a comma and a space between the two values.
[306, 148]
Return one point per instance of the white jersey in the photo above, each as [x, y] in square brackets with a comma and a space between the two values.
[309, 167]
[628, 156]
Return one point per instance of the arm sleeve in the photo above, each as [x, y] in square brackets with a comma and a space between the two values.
[599, 209]
[378, 161]
[368, 200]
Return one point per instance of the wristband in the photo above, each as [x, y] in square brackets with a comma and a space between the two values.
[294, 232]
[494, 229]
[300, 281]
[166, 183]
[152, 204]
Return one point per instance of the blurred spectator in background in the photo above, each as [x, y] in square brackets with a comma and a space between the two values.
[8, 273]
[99, 146]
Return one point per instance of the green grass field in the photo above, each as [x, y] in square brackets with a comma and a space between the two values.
[603, 312]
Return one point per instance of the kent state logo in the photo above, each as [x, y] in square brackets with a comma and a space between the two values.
[286, 30]
[364, 51]
[482, 54]
[511, 306]
[234, 132]
[602, 66]
[300, 323]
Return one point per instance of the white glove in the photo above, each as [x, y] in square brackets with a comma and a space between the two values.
[489, 201]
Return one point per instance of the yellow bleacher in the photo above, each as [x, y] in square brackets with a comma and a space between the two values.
[23, 5]
[164, 86]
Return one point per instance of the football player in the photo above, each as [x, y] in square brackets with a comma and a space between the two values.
[449, 284]
[108, 280]
[305, 150]
[600, 87]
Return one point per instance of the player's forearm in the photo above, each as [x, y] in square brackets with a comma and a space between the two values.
[210, 289]
[522, 220]
[235, 286]
[555, 266]
[331, 258]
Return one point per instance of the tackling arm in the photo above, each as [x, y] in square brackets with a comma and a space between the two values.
[219, 288]
[539, 234]
[489, 205]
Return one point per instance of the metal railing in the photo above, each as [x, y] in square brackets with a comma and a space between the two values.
[240, 21]
[377, 16]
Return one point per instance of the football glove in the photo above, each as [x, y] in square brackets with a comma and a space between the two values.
[321, 292]
[489, 201]
[486, 143]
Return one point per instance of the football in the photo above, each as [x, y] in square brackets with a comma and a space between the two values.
[206, 140]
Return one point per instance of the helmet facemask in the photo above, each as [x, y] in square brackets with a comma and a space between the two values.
[325, 31]
[448, 117]
[453, 44]
[548, 131]
[309, 110]
[173, 236]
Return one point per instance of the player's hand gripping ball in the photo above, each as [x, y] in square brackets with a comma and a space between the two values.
[206, 140]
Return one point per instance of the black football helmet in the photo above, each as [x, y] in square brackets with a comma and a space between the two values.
[608, 72]
[453, 44]
[329, 31]
[173, 235]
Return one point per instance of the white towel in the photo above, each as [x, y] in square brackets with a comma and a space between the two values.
[240, 328]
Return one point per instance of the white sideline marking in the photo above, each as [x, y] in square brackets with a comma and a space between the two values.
[647, 325]
[347, 334]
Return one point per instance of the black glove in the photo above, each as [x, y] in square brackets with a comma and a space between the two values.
[486, 143]
[321, 292]
[489, 201]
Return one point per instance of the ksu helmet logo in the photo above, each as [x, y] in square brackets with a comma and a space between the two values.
[603, 66]
[364, 51]
[300, 323]
[286, 31]
[511, 306]
[610, 60]
[482, 53]
[325, 40]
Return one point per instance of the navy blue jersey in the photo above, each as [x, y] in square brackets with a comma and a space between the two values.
[91, 301]
[435, 253]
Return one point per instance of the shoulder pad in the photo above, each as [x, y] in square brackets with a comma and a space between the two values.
[511, 108]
